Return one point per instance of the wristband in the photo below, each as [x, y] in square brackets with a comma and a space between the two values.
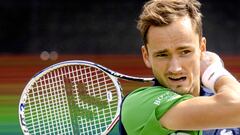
[214, 72]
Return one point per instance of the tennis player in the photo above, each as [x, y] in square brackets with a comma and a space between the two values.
[194, 94]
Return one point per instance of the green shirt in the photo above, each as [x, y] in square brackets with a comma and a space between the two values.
[142, 109]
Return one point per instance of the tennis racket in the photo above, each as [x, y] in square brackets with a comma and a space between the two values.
[72, 97]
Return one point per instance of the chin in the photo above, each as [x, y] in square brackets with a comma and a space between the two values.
[182, 90]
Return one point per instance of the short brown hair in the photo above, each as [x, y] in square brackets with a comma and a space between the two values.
[164, 12]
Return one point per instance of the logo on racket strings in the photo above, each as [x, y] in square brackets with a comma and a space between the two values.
[84, 103]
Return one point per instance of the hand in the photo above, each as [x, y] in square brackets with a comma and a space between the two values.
[207, 59]
[211, 69]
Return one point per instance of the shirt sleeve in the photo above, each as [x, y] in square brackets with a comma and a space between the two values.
[143, 108]
[166, 101]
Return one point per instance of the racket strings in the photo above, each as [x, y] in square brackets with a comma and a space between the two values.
[48, 107]
[98, 105]
[87, 107]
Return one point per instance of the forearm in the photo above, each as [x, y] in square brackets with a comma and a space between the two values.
[218, 111]
[227, 83]
[228, 96]
[199, 113]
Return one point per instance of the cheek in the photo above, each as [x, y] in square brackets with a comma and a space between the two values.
[158, 65]
[196, 71]
[195, 68]
[159, 68]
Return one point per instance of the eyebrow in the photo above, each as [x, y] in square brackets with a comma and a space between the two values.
[161, 51]
[166, 50]
[184, 47]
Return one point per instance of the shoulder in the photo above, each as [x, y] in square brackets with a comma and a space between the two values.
[143, 108]
[150, 95]
[145, 98]
[146, 91]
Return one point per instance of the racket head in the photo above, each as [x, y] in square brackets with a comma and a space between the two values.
[86, 100]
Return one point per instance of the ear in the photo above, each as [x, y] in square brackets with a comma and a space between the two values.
[145, 56]
[203, 47]
[203, 44]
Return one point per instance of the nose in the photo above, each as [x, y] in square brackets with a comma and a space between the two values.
[174, 66]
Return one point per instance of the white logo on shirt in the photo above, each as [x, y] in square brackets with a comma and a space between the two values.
[225, 132]
[179, 134]
[167, 96]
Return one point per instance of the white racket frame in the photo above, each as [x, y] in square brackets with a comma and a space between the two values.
[112, 74]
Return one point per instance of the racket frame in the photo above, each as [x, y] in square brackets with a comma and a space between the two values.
[112, 74]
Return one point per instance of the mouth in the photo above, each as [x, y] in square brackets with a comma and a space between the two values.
[179, 83]
[177, 79]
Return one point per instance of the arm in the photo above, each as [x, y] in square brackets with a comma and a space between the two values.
[218, 111]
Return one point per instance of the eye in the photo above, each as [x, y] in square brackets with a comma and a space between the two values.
[162, 55]
[185, 52]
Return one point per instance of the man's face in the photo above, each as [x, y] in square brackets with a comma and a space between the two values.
[173, 53]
